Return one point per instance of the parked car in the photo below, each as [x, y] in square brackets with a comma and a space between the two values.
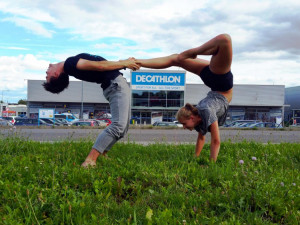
[178, 124]
[165, 124]
[50, 122]
[90, 123]
[46, 122]
[239, 122]
[11, 119]
[5, 123]
[104, 115]
[67, 116]
[266, 124]
[63, 122]
[107, 122]
[26, 122]
[245, 125]
[295, 125]
[31, 122]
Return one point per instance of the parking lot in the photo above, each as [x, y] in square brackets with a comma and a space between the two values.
[155, 135]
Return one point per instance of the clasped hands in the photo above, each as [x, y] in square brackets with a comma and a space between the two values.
[131, 63]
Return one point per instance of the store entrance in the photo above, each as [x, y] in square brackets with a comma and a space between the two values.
[141, 117]
[144, 117]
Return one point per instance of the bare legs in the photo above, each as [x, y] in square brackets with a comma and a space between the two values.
[220, 48]
[192, 65]
[159, 63]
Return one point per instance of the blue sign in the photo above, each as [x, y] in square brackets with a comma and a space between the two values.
[157, 80]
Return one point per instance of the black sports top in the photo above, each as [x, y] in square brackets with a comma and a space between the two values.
[100, 77]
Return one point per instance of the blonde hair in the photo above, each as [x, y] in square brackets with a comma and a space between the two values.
[186, 111]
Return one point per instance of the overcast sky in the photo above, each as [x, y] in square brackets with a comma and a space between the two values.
[265, 35]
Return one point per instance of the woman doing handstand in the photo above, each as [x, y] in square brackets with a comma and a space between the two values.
[210, 112]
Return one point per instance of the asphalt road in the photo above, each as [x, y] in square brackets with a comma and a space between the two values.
[145, 136]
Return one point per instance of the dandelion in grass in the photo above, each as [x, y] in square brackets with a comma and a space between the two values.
[282, 184]
[241, 162]
[254, 158]
[294, 184]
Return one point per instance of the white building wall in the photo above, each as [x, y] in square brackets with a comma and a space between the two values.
[243, 95]
[258, 95]
[92, 93]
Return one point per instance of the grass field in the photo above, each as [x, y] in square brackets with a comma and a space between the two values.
[251, 183]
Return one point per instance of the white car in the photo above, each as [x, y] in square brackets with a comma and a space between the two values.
[178, 124]
[11, 119]
[5, 123]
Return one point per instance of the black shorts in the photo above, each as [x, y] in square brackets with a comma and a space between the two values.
[217, 82]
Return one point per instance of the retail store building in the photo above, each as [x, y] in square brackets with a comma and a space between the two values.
[157, 95]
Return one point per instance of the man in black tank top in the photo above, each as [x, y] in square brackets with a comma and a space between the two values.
[96, 69]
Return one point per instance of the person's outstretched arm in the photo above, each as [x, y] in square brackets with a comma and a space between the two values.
[84, 64]
[215, 141]
[199, 144]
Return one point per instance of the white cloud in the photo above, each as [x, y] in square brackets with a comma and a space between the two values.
[265, 34]
[31, 25]
[267, 71]
[15, 70]
[27, 9]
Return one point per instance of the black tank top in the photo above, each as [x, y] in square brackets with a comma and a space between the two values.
[100, 77]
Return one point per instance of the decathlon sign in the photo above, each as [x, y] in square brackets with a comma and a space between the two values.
[158, 80]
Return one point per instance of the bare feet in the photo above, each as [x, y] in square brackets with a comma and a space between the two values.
[91, 159]
[88, 163]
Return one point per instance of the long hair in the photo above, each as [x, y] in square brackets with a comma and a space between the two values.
[57, 85]
[186, 111]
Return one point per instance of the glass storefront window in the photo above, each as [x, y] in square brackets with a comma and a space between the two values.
[140, 94]
[158, 102]
[140, 102]
[141, 117]
[175, 103]
[175, 94]
[140, 98]
[158, 94]
[157, 98]
[175, 98]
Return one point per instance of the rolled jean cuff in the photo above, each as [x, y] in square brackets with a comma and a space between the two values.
[104, 142]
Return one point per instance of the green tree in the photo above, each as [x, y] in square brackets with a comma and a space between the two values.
[22, 102]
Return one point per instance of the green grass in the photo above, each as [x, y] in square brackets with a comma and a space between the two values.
[43, 183]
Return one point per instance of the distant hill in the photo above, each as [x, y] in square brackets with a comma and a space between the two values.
[292, 97]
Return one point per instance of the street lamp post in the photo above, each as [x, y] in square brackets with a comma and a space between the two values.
[2, 102]
[81, 113]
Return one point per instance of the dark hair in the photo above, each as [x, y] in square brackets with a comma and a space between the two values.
[186, 111]
[57, 85]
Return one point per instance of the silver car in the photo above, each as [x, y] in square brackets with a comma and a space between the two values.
[5, 123]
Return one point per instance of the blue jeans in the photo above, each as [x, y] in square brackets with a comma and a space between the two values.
[118, 96]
